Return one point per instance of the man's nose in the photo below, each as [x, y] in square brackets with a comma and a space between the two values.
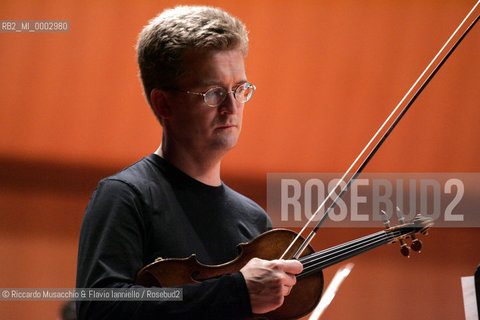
[229, 105]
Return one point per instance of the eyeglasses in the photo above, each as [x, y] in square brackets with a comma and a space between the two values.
[215, 96]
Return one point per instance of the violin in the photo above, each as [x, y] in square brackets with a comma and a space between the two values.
[306, 293]
[285, 244]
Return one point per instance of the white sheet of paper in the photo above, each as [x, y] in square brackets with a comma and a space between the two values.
[469, 298]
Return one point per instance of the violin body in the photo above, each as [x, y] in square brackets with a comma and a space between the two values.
[270, 245]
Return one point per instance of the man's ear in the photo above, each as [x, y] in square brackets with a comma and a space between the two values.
[160, 103]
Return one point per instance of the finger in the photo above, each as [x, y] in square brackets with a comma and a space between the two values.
[286, 290]
[289, 279]
[277, 291]
[276, 284]
[290, 266]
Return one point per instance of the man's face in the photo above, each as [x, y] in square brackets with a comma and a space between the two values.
[192, 124]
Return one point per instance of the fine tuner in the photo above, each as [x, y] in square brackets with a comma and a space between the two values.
[416, 244]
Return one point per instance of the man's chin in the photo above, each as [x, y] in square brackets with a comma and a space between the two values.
[225, 143]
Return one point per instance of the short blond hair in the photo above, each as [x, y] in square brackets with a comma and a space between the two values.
[165, 40]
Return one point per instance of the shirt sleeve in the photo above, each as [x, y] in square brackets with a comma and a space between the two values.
[112, 247]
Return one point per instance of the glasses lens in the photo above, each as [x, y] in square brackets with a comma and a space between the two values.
[244, 92]
[215, 96]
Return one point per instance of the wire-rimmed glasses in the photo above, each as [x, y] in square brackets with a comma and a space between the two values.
[215, 96]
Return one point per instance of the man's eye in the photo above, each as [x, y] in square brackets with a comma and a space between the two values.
[217, 93]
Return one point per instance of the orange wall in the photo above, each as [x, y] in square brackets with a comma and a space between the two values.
[327, 73]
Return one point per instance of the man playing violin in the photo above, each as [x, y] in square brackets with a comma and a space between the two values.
[173, 203]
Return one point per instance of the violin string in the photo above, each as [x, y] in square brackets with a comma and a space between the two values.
[403, 230]
[323, 261]
[385, 135]
[353, 245]
[337, 248]
[333, 256]
[328, 254]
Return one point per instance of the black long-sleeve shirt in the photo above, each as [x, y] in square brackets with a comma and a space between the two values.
[151, 209]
